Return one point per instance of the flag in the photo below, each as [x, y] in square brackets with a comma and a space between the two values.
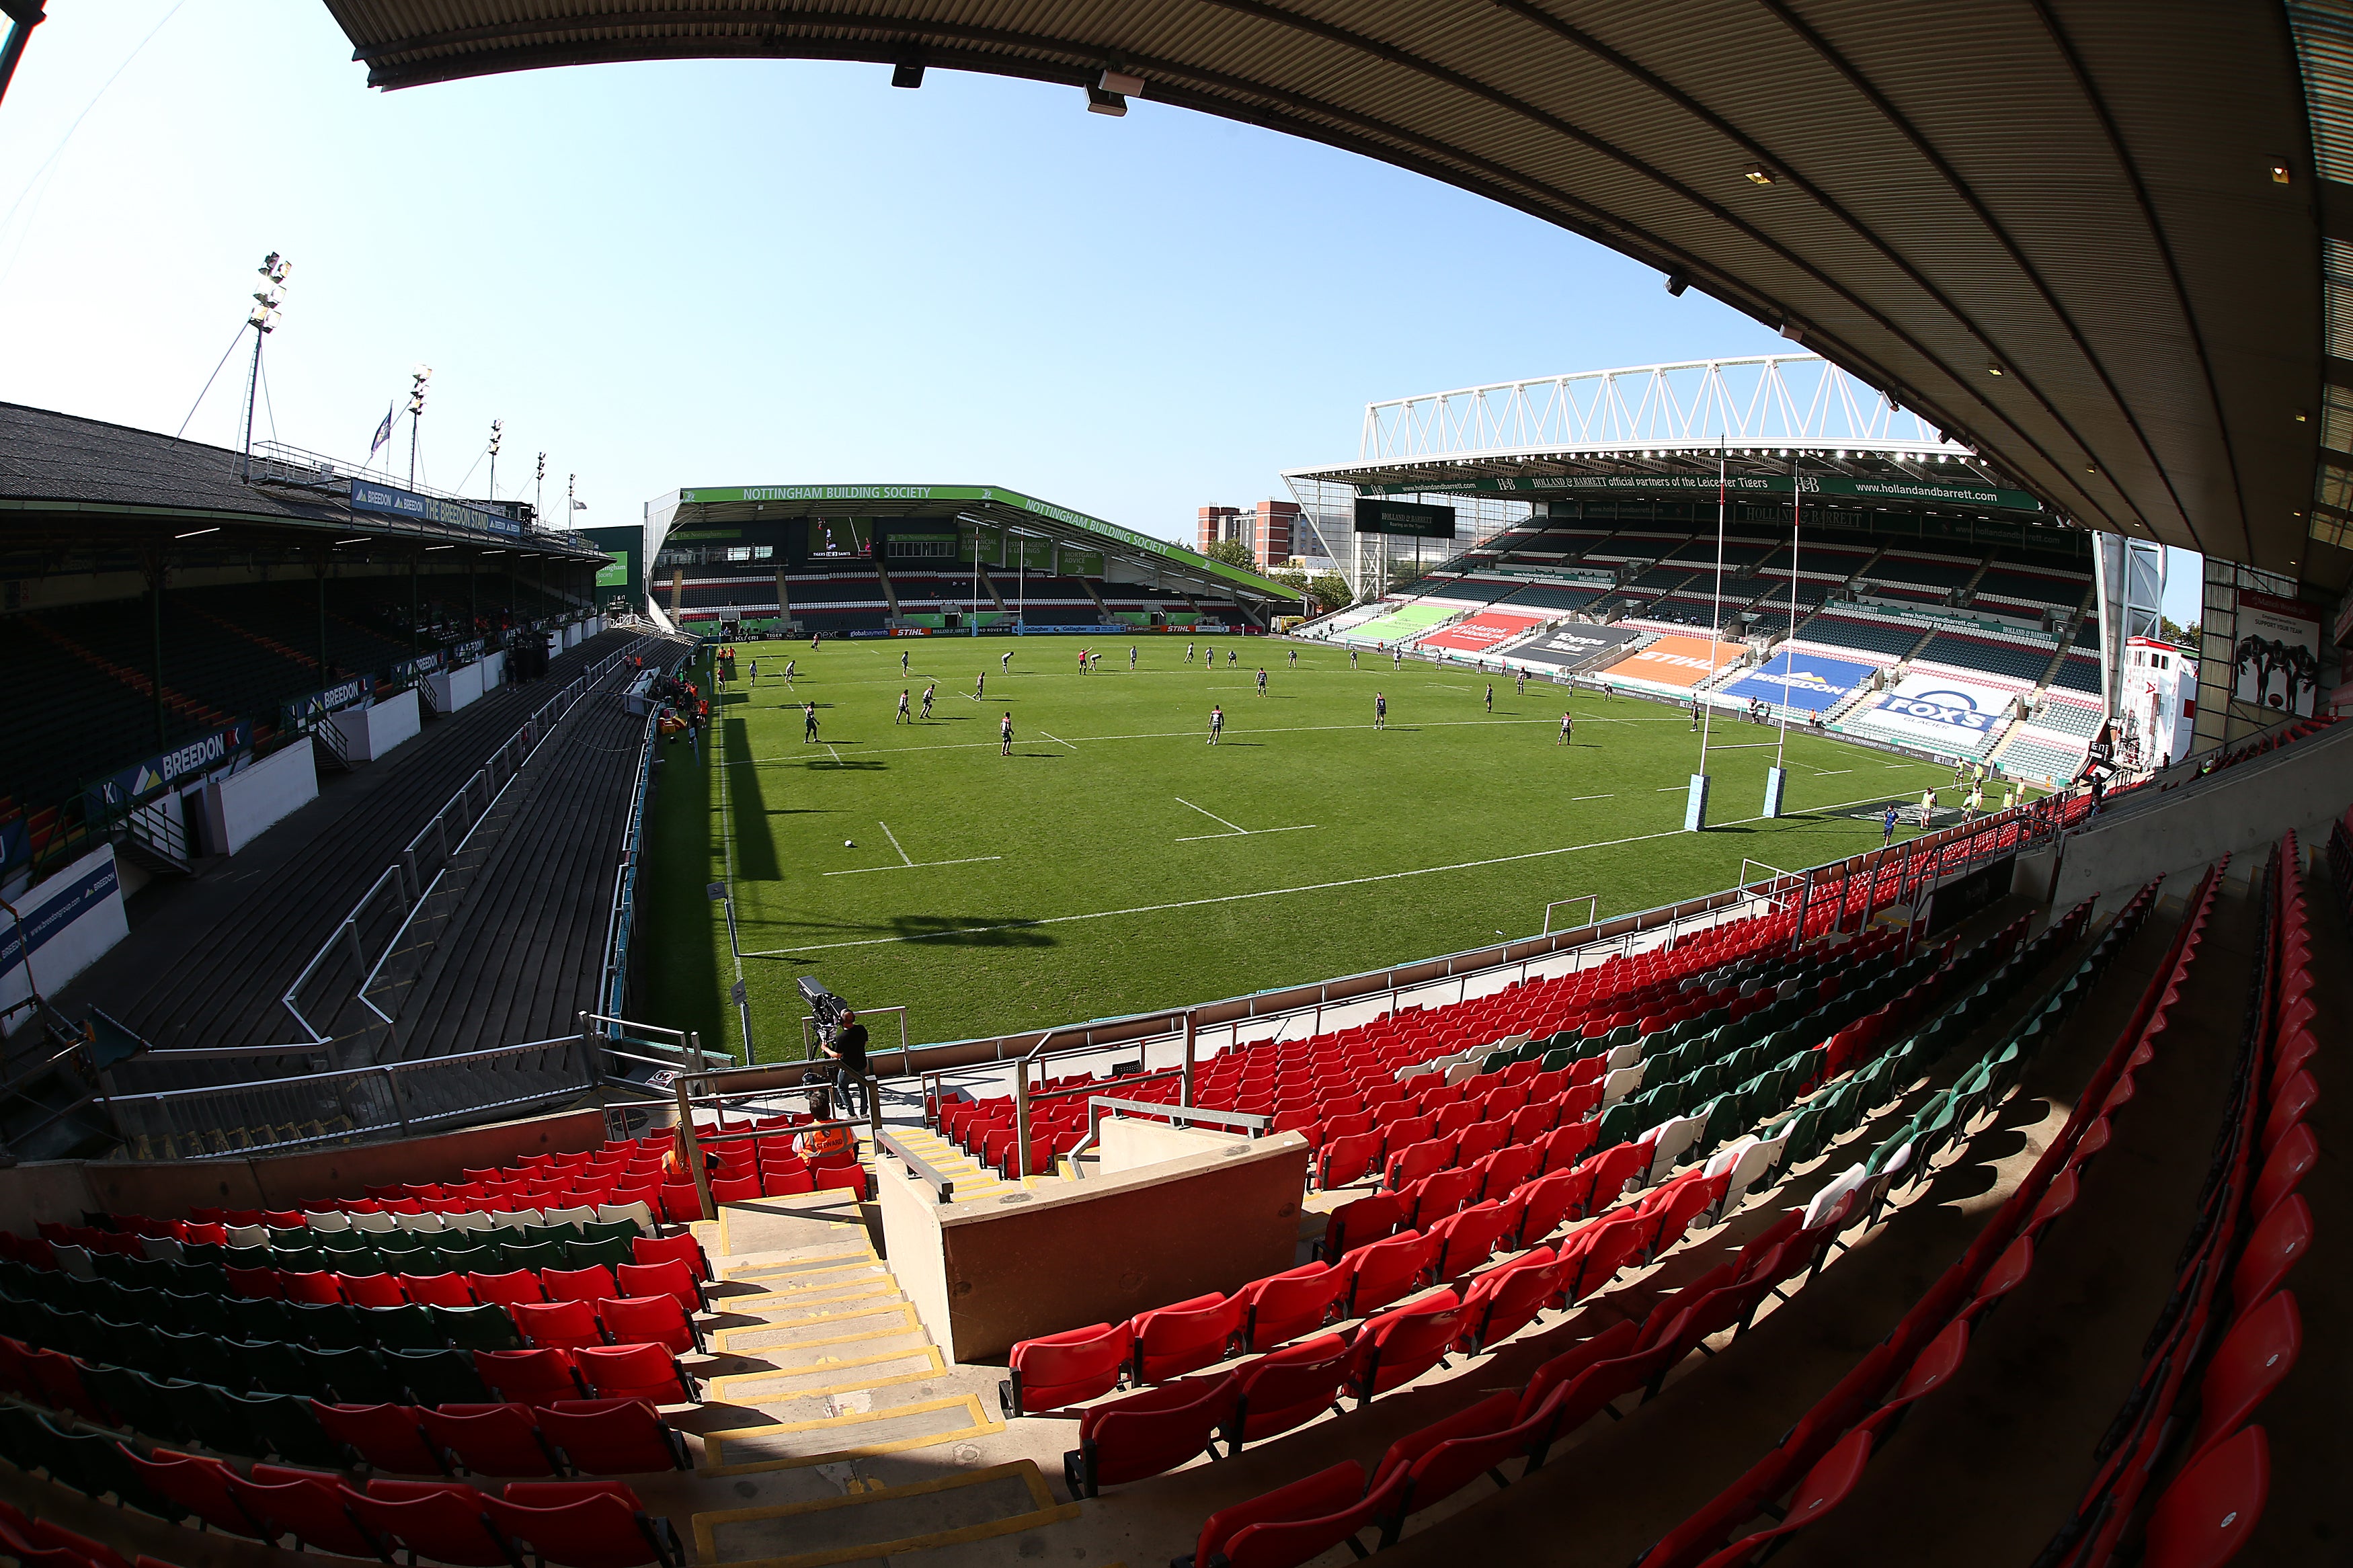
[580, 506]
[382, 431]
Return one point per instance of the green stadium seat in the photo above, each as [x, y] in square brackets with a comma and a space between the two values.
[532, 1255]
[357, 1376]
[481, 1258]
[332, 1325]
[284, 1425]
[611, 1251]
[208, 1418]
[205, 1356]
[485, 1327]
[405, 1328]
[622, 1230]
[437, 1377]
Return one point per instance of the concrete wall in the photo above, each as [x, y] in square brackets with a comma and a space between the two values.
[61, 1189]
[2241, 810]
[67, 922]
[453, 688]
[1127, 1144]
[1037, 1262]
[369, 732]
[240, 807]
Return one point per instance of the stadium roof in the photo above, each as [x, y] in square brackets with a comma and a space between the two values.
[70, 485]
[1778, 423]
[982, 503]
[2087, 239]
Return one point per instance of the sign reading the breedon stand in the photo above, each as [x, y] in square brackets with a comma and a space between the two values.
[390, 501]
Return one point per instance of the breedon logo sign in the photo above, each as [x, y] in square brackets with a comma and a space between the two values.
[1943, 706]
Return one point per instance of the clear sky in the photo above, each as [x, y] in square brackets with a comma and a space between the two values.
[727, 273]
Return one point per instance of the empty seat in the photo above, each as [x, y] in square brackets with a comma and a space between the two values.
[1063, 1369]
[1399, 1346]
[488, 1439]
[529, 1376]
[2213, 1507]
[634, 1372]
[442, 1522]
[306, 1506]
[650, 1320]
[1282, 1307]
[599, 1525]
[558, 1325]
[1290, 1524]
[612, 1436]
[666, 1277]
[1173, 1340]
[1287, 1388]
[1149, 1432]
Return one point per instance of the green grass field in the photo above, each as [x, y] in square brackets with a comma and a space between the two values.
[1116, 863]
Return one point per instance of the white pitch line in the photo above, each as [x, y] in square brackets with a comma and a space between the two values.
[1058, 741]
[1262, 893]
[1184, 735]
[894, 838]
[1212, 815]
[910, 865]
[1578, 798]
[1245, 833]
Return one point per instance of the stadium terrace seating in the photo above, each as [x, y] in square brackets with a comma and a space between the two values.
[1548, 596]
[1302, 1361]
[1823, 563]
[2031, 755]
[1634, 545]
[2031, 588]
[1976, 654]
[195, 1330]
[1939, 574]
[2077, 673]
[1891, 639]
[2067, 717]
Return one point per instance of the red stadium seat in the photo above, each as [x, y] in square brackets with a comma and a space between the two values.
[2205, 1515]
[634, 1372]
[2252, 1360]
[1387, 1270]
[1149, 1432]
[1292, 1524]
[682, 1249]
[594, 1283]
[508, 1290]
[1063, 1369]
[488, 1439]
[302, 1504]
[650, 1320]
[557, 1325]
[1281, 1307]
[612, 1436]
[371, 1289]
[439, 1290]
[605, 1528]
[668, 1277]
[384, 1436]
[1365, 1220]
[1442, 1458]
[1173, 1340]
[195, 1485]
[1399, 1346]
[443, 1522]
[1825, 1487]
[1287, 1388]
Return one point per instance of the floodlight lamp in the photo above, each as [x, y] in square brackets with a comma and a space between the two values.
[1121, 82]
[1993, 367]
[1101, 102]
[2280, 175]
[907, 73]
[1676, 283]
[1759, 175]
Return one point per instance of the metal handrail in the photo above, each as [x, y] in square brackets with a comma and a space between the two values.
[943, 1184]
[1097, 1104]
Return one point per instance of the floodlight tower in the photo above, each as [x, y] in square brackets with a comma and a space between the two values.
[497, 434]
[416, 380]
[538, 480]
[268, 301]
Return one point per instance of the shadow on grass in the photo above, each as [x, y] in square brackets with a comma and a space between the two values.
[755, 849]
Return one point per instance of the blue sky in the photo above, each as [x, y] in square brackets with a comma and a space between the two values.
[726, 273]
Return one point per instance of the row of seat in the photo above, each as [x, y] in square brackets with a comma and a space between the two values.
[2229, 1333]
[1289, 1525]
[1822, 1457]
[1377, 1266]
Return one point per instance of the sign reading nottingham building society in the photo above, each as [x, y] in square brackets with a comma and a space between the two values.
[1411, 518]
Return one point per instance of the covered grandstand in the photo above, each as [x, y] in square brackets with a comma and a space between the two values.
[1851, 566]
[873, 559]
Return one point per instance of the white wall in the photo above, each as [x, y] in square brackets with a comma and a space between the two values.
[239, 808]
[369, 732]
[67, 922]
[493, 668]
[453, 688]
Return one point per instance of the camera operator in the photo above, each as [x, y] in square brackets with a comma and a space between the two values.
[847, 1048]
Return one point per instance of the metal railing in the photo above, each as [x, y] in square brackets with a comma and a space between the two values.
[393, 1097]
[942, 1185]
[1249, 1121]
[334, 1000]
[620, 918]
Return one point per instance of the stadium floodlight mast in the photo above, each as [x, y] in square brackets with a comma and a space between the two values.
[538, 478]
[269, 300]
[497, 434]
[417, 382]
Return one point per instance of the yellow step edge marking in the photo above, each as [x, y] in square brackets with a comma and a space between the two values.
[978, 1425]
[1046, 1512]
[851, 1290]
[778, 1300]
[725, 1387]
[907, 1317]
[824, 1259]
[775, 1285]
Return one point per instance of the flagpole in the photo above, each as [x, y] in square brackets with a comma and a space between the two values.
[1715, 614]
